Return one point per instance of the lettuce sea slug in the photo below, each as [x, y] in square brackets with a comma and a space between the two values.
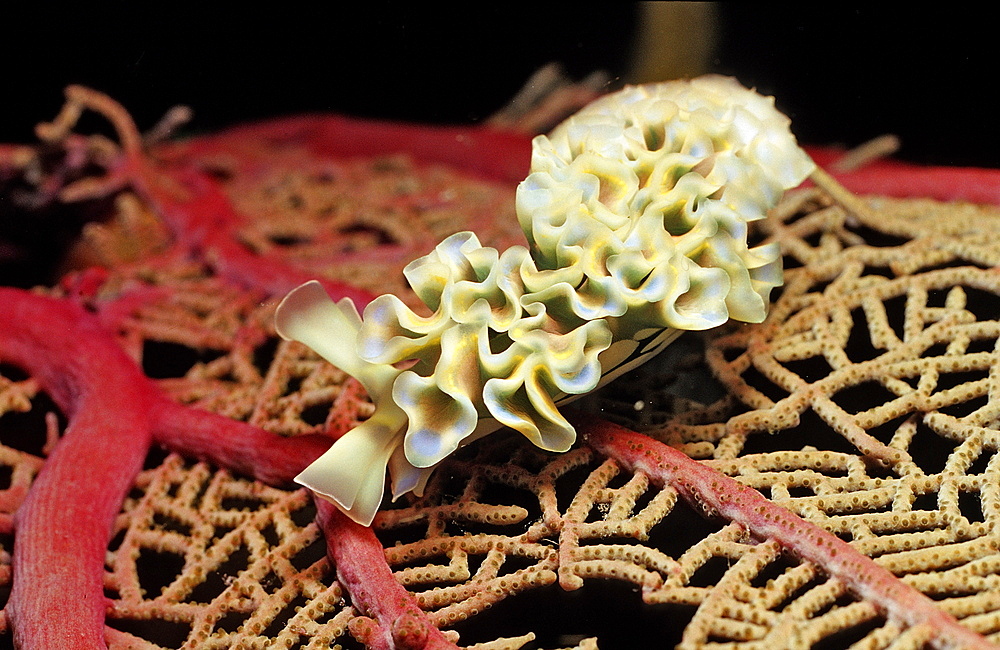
[635, 212]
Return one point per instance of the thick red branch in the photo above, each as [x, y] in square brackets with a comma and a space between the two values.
[236, 446]
[64, 525]
[362, 570]
[356, 552]
[203, 220]
[719, 494]
[115, 413]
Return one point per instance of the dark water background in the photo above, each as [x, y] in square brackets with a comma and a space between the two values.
[844, 72]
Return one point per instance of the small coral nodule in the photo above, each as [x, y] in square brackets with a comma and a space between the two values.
[636, 213]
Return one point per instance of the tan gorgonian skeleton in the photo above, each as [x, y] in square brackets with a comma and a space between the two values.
[635, 212]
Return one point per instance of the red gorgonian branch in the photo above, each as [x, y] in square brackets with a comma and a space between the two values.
[115, 413]
[715, 494]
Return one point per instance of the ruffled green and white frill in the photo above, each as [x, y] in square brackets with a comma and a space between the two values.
[636, 214]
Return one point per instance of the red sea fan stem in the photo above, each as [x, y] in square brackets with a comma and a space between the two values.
[356, 552]
[63, 526]
[362, 570]
[190, 202]
[719, 494]
[234, 445]
[204, 221]
[115, 413]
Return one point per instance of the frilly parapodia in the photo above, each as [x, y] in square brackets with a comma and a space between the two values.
[636, 213]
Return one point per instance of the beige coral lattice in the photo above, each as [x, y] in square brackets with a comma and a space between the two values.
[207, 525]
[362, 220]
[867, 404]
[884, 342]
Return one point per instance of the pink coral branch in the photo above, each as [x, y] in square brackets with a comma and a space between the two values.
[237, 446]
[64, 525]
[719, 494]
[115, 413]
[203, 220]
[362, 570]
[354, 549]
[356, 552]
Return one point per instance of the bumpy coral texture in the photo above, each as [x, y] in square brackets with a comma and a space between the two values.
[636, 214]
[866, 404]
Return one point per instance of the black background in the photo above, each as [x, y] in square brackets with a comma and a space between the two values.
[844, 73]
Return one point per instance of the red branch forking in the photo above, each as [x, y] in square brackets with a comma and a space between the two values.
[63, 526]
[189, 201]
[356, 553]
[369, 580]
[710, 490]
[115, 413]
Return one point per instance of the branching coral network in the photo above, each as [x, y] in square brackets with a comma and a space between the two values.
[68, 345]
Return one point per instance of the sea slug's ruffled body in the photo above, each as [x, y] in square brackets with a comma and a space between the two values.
[636, 214]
